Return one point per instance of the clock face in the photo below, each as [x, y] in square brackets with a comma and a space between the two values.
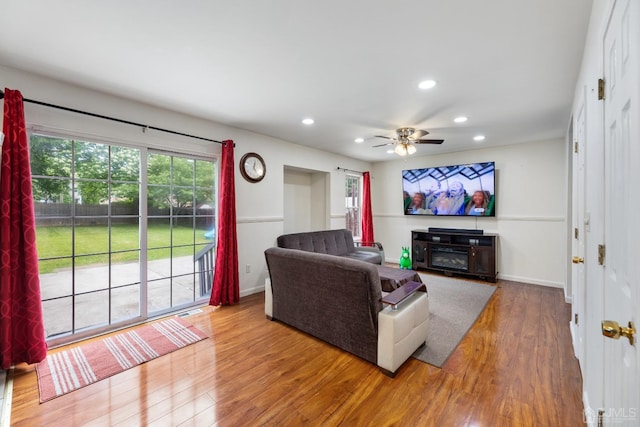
[252, 167]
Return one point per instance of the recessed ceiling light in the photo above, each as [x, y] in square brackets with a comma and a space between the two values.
[460, 119]
[359, 140]
[478, 138]
[308, 121]
[427, 84]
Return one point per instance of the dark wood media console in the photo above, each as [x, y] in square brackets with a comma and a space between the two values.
[455, 251]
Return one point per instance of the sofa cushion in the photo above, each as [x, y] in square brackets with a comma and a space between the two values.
[371, 257]
[332, 242]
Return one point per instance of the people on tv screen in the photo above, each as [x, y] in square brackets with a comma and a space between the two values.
[455, 201]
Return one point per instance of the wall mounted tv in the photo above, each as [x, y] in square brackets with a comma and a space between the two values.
[460, 190]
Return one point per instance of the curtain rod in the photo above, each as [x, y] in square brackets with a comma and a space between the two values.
[86, 113]
[348, 170]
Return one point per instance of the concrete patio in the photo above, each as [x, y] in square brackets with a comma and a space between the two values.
[92, 282]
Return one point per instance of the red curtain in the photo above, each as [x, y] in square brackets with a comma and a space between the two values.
[22, 336]
[226, 284]
[367, 216]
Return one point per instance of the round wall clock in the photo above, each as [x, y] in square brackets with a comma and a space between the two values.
[252, 167]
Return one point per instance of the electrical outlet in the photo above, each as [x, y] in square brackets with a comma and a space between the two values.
[247, 268]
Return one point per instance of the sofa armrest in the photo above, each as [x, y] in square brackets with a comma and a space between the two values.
[402, 293]
[374, 245]
[371, 247]
[401, 332]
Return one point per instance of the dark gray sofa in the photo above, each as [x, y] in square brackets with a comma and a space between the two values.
[338, 300]
[332, 242]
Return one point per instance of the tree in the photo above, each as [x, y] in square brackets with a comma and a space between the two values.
[51, 157]
[91, 162]
[125, 174]
[172, 180]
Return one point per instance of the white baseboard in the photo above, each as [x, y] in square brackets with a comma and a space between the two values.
[574, 344]
[251, 291]
[532, 281]
[590, 416]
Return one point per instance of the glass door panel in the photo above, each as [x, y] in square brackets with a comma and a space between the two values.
[180, 214]
[86, 200]
[125, 302]
[91, 309]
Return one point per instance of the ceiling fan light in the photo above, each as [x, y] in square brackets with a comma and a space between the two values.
[400, 150]
[411, 149]
[427, 84]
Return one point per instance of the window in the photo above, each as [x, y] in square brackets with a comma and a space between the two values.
[353, 202]
[103, 261]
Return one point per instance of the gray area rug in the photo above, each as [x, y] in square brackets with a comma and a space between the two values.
[454, 306]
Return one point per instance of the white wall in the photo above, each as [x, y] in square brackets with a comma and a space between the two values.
[297, 201]
[306, 200]
[530, 208]
[259, 207]
[320, 213]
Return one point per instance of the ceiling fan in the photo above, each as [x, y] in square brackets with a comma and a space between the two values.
[405, 139]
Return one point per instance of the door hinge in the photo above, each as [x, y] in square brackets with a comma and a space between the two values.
[602, 251]
[576, 233]
[600, 417]
[575, 318]
[575, 146]
[600, 89]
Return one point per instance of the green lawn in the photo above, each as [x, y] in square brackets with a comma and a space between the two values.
[56, 241]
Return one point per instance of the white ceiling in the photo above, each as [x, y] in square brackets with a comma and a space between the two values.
[354, 66]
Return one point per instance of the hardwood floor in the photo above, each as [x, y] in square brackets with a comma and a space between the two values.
[515, 367]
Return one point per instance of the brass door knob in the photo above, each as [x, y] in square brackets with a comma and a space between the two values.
[577, 260]
[611, 329]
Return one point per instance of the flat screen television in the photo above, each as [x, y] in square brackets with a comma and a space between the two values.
[458, 190]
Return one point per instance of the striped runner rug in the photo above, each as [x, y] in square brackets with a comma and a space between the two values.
[65, 371]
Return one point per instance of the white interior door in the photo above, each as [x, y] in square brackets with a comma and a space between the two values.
[578, 273]
[622, 175]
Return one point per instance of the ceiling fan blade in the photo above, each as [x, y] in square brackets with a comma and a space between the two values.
[380, 136]
[382, 145]
[428, 141]
[418, 133]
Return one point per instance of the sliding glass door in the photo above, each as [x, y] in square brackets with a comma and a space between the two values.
[122, 233]
[180, 229]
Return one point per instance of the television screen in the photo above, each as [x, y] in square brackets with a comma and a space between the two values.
[450, 190]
